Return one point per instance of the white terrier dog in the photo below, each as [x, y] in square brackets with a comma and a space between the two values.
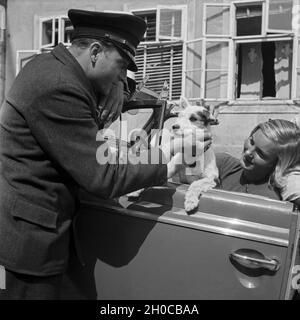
[204, 175]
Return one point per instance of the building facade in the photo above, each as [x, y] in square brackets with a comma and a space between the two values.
[240, 56]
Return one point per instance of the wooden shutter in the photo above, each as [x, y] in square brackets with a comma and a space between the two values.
[160, 56]
[162, 62]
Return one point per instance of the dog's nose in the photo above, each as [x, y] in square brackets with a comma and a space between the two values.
[248, 155]
[176, 126]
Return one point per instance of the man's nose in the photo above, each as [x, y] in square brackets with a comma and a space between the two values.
[175, 126]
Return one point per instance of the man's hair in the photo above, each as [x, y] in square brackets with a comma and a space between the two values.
[84, 43]
[286, 137]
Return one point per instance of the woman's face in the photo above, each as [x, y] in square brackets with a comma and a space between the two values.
[259, 157]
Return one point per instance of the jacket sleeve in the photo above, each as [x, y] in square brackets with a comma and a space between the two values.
[62, 123]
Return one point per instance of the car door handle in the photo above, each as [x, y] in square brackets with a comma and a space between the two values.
[248, 261]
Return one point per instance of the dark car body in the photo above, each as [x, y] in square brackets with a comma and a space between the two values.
[236, 246]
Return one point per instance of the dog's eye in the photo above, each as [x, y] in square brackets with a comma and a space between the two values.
[193, 119]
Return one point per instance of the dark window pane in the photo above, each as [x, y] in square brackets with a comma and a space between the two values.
[248, 20]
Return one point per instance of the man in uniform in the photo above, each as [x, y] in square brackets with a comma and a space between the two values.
[48, 127]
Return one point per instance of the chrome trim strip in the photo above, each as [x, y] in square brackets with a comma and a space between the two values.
[166, 218]
[239, 222]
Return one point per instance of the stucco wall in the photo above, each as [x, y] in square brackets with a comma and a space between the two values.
[236, 121]
[22, 17]
[2, 48]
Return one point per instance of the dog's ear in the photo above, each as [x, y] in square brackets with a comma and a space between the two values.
[215, 111]
[200, 103]
[207, 107]
[205, 113]
[214, 115]
[184, 103]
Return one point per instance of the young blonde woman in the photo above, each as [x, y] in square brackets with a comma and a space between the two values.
[286, 177]
[270, 154]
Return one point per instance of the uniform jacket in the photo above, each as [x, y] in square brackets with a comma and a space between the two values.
[48, 129]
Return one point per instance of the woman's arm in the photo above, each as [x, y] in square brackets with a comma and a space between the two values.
[291, 190]
[297, 202]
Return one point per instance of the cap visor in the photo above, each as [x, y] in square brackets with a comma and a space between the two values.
[131, 66]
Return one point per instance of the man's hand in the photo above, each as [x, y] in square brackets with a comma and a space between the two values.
[186, 150]
[112, 104]
[192, 145]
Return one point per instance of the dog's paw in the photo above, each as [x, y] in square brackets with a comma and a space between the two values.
[191, 204]
[135, 194]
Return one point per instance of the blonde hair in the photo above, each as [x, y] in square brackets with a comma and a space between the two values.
[286, 137]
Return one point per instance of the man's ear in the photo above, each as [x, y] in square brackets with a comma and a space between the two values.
[95, 49]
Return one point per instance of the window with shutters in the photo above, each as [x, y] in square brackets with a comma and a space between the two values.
[160, 54]
[248, 51]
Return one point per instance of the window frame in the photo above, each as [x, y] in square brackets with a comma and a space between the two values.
[274, 38]
[60, 20]
[61, 29]
[279, 35]
[183, 9]
[34, 52]
[41, 21]
[296, 66]
[228, 69]
[263, 20]
[145, 11]
[156, 10]
[144, 45]
[233, 41]
[186, 70]
[204, 25]
[216, 38]
[268, 18]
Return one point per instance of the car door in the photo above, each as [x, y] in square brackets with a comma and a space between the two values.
[236, 246]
